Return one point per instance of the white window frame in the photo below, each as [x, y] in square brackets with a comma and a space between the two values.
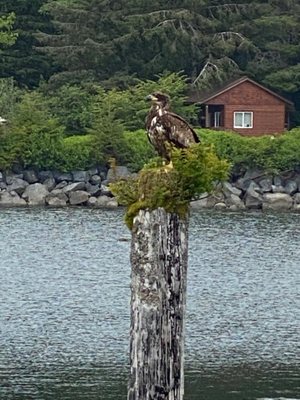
[217, 119]
[243, 119]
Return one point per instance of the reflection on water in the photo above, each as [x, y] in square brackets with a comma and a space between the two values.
[64, 306]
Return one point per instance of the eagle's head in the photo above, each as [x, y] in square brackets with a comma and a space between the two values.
[158, 98]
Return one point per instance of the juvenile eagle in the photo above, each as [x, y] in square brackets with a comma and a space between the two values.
[166, 129]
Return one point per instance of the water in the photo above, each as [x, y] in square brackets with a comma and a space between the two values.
[64, 306]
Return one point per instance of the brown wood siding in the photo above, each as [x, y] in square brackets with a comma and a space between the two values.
[268, 111]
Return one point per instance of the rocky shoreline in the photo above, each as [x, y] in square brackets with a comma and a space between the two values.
[253, 190]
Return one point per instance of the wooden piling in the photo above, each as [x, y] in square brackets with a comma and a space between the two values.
[159, 256]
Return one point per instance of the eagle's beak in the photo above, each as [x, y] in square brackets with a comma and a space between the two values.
[150, 97]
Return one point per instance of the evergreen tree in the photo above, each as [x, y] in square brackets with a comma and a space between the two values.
[22, 61]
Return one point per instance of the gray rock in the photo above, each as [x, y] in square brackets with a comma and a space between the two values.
[278, 189]
[242, 183]
[112, 203]
[11, 199]
[3, 185]
[266, 184]
[36, 194]
[56, 202]
[63, 176]
[296, 207]
[11, 177]
[277, 201]
[254, 186]
[78, 197]
[59, 194]
[102, 201]
[117, 173]
[1, 177]
[50, 183]
[220, 206]
[277, 180]
[93, 171]
[18, 185]
[80, 176]
[30, 176]
[105, 191]
[235, 201]
[205, 201]
[228, 190]
[95, 180]
[92, 201]
[291, 187]
[253, 173]
[73, 187]
[253, 199]
[94, 190]
[44, 175]
[296, 198]
[61, 185]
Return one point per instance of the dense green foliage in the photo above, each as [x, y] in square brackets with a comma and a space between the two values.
[277, 153]
[92, 62]
[194, 172]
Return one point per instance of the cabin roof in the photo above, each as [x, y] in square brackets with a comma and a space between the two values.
[202, 98]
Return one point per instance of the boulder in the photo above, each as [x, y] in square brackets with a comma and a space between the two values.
[265, 184]
[95, 180]
[254, 173]
[277, 180]
[112, 203]
[291, 187]
[205, 201]
[277, 201]
[80, 176]
[278, 189]
[3, 185]
[242, 183]
[11, 199]
[57, 193]
[253, 199]
[62, 176]
[296, 207]
[94, 190]
[117, 173]
[50, 183]
[17, 185]
[36, 194]
[105, 191]
[61, 185]
[11, 177]
[56, 202]
[93, 171]
[73, 187]
[220, 206]
[92, 201]
[233, 200]
[296, 198]
[78, 197]
[228, 190]
[102, 201]
[1, 177]
[44, 175]
[30, 176]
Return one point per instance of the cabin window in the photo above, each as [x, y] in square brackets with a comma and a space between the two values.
[243, 119]
[217, 119]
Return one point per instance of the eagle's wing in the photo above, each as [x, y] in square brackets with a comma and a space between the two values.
[178, 130]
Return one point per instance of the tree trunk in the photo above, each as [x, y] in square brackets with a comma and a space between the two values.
[159, 254]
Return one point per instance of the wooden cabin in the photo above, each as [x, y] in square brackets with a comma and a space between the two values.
[244, 106]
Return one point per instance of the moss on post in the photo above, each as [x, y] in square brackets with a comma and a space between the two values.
[194, 172]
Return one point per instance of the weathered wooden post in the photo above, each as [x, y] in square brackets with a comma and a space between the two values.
[159, 254]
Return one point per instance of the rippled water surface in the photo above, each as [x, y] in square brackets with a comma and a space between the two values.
[64, 305]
